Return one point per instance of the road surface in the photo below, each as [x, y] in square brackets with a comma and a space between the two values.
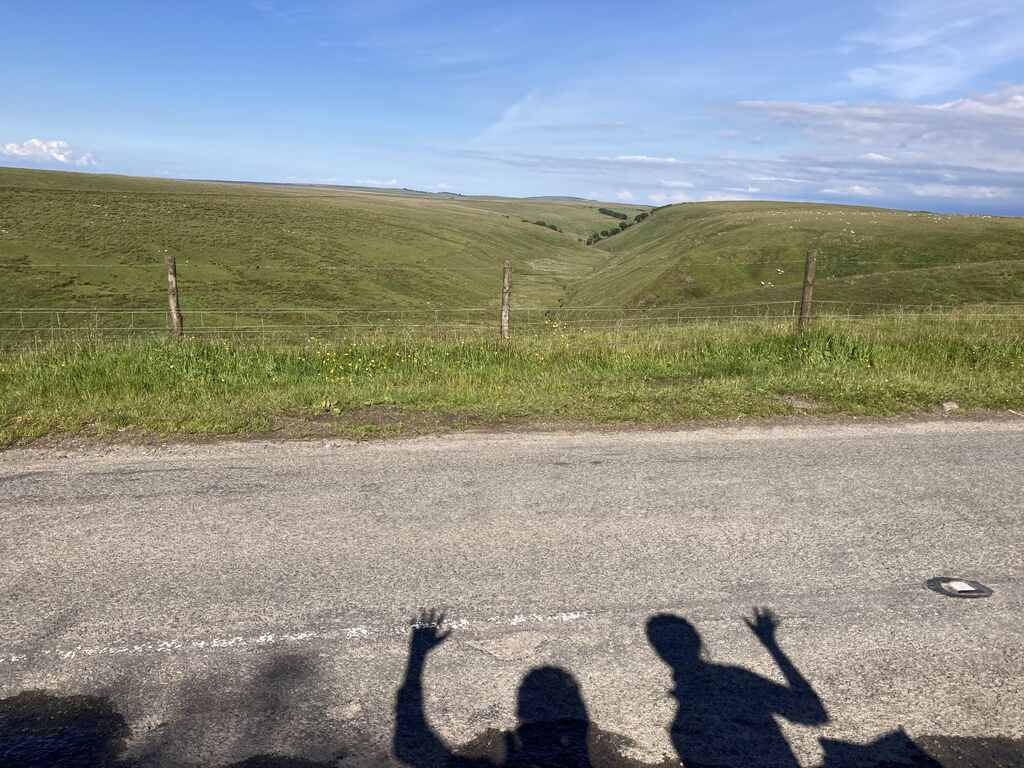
[201, 605]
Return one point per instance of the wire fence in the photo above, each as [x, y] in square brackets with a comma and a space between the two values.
[30, 325]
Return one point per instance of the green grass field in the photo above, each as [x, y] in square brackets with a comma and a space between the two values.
[714, 253]
[85, 240]
[97, 244]
[401, 384]
[95, 241]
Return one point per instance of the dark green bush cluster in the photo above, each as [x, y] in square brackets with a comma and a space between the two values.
[613, 214]
[597, 237]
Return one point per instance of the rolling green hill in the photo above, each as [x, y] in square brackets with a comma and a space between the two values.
[713, 253]
[74, 240]
[96, 241]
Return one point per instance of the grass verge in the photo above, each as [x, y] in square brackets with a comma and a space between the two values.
[395, 384]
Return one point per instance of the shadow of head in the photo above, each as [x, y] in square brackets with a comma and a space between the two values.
[675, 640]
[37, 728]
[553, 720]
[549, 693]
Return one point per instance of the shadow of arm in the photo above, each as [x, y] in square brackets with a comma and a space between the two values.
[797, 701]
[415, 743]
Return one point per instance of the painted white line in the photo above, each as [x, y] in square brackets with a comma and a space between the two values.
[357, 633]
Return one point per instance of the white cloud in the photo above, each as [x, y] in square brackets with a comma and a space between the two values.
[782, 179]
[47, 151]
[624, 194]
[663, 198]
[644, 159]
[917, 48]
[964, 152]
[952, 191]
[724, 195]
[1008, 102]
[981, 131]
[853, 190]
[377, 182]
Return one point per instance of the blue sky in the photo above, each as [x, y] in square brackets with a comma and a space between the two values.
[908, 103]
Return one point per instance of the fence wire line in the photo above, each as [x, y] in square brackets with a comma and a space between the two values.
[528, 320]
[427, 310]
[488, 269]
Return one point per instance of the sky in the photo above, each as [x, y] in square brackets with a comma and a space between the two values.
[914, 104]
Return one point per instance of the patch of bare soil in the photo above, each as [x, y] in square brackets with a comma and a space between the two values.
[369, 421]
[393, 422]
[800, 403]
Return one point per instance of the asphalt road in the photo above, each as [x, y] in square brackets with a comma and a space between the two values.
[199, 605]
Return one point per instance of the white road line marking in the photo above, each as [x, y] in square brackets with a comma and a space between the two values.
[359, 632]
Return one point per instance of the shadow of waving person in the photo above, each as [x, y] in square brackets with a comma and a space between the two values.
[553, 722]
[726, 714]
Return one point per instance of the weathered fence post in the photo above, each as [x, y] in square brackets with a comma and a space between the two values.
[172, 294]
[506, 292]
[807, 297]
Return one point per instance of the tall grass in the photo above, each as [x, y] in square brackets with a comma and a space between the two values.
[648, 376]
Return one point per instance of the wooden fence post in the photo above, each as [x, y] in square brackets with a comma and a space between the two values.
[506, 292]
[172, 295]
[807, 297]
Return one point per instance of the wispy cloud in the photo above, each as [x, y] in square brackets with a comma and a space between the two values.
[981, 131]
[961, 151]
[853, 190]
[952, 191]
[663, 198]
[377, 182]
[918, 48]
[645, 159]
[47, 151]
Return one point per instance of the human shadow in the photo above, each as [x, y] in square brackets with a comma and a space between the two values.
[553, 725]
[40, 729]
[726, 714]
[892, 750]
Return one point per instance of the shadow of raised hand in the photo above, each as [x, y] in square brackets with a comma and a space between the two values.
[428, 631]
[764, 625]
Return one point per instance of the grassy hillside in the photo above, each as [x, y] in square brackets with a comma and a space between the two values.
[710, 253]
[95, 241]
[72, 240]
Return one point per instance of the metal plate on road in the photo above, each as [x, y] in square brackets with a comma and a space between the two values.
[954, 587]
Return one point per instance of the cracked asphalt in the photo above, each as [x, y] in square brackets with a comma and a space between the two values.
[238, 599]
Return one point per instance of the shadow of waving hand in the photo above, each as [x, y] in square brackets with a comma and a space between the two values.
[553, 723]
[726, 714]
